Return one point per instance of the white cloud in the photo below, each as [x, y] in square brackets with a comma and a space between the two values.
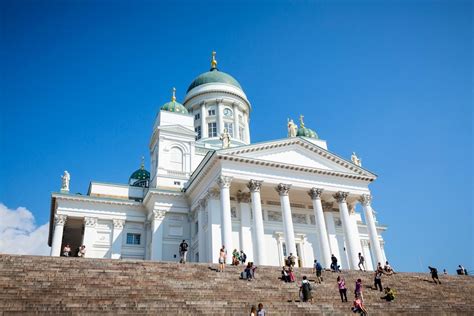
[19, 233]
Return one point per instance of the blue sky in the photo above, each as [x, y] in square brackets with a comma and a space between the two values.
[82, 81]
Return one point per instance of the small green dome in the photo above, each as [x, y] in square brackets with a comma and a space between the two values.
[214, 76]
[174, 106]
[140, 177]
[306, 132]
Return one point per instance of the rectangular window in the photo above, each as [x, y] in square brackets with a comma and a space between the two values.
[230, 128]
[212, 112]
[133, 239]
[212, 128]
[197, 129]
[197, 116]
[241, 133]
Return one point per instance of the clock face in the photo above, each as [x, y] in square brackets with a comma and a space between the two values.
[227, 112]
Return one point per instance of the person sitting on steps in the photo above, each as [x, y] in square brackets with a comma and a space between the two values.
[358, 306]
[389, 294]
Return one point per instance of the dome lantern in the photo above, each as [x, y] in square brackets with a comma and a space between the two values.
[140, 177]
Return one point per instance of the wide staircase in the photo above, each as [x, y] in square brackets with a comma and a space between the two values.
[47, 285]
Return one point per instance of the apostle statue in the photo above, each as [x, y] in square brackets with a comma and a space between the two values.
[225, 137]
[356, 160]
[65, 178]
[292, 128]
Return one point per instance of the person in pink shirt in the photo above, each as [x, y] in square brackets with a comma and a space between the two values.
[342, 288]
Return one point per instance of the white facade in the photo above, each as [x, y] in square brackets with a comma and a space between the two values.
[267, 199]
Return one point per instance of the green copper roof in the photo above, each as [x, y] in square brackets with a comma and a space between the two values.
[306, 132]
[174, 106]
[140, 177]
[214, 76]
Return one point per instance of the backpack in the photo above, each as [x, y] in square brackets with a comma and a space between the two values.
[307, 286]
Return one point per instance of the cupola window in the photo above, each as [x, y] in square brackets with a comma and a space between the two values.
[230, 128]
[212, 128]
[211, 112]
[176, 159]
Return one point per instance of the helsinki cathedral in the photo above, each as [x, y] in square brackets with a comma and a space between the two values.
[211, 186]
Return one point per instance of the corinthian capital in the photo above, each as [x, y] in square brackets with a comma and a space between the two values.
[365, 199]
[213, 193]
[159, 215]
[224, 181]
[118, 223]
[340, 196]
[283, 189]
[90, 221]
[60, 219]
[203, 203]
[243, 197]
[315, 193]
[254, 185]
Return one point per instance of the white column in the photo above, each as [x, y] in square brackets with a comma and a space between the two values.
[365, 200]
[90, 224]
[245, 225]
[322, 233]
[157, 218]
[59, 222]
[367, 256]
[220, 117]
[382, 247]
[224, 184]
[204, 121]
[347, 226]
[147, 240]
[236, 121]
[214, 225]
[201, 236]
[259, 253]
[283, 190]
[247, 129]
[332, 234]
[117, 238]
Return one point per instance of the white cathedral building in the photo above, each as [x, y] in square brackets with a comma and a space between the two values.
[208, 184]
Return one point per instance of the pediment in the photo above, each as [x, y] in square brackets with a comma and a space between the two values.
[296, 152]
[177, 129]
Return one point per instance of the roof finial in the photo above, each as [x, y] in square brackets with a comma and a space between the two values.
[142, 165]
[301, 121]
[213, 61]
[173, 98]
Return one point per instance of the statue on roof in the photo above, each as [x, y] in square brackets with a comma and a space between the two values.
[292, 128]
[356, 160]
[65, 178]
[225, 137]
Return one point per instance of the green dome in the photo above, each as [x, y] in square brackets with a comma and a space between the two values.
[174, 106]
[140, 177]
[306, 132]
[214, 76]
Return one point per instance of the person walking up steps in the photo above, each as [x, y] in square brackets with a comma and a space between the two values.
[318, 269]
[361, 262]
[183, 250]
[434, 274]
[222, 255]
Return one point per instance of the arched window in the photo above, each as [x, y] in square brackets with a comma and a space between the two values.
[176, 159]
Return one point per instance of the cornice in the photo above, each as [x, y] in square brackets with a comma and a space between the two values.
[161, 193]
[87, 198]
[267, 163]
[220, 92]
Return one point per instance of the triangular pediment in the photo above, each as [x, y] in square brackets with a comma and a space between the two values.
[177, 129]
[296, 152]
